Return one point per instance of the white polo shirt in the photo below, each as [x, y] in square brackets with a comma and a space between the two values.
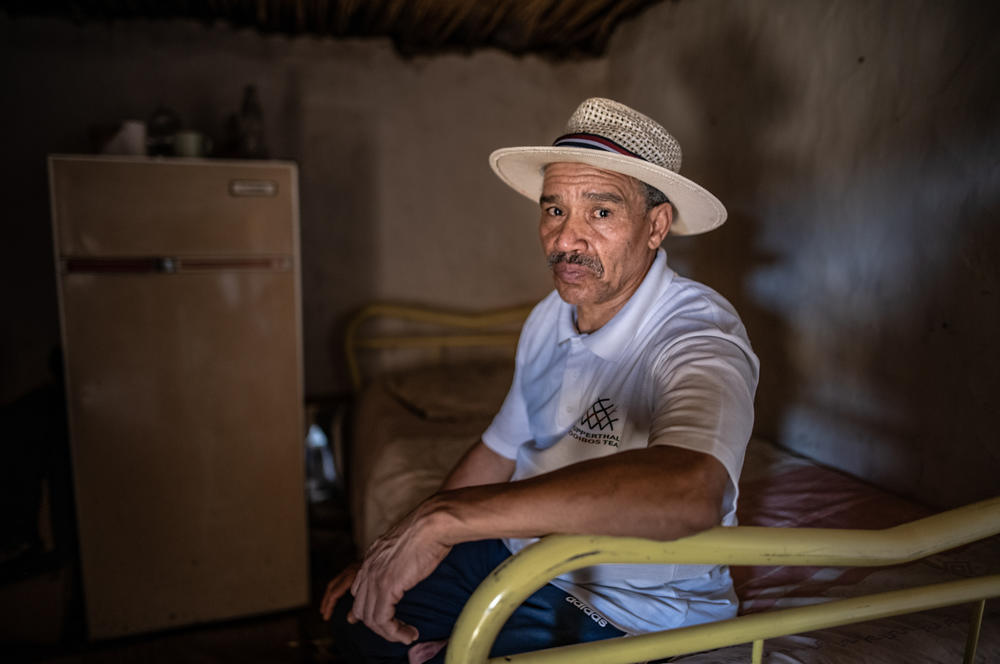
[673, 367]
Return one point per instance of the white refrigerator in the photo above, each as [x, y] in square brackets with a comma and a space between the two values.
[180, 310]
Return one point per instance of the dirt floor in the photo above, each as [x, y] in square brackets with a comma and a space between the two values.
[54, 634]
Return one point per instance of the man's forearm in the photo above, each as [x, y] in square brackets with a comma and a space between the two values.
[479, 465]
[660, 493]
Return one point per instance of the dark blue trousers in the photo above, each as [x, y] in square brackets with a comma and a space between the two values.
[549, 618]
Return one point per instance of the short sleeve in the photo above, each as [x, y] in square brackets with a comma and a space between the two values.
[703, 389]
[510, 427]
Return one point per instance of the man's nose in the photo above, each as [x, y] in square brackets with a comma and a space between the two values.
[572, 234]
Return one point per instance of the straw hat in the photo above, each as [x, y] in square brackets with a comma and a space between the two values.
[613, 137]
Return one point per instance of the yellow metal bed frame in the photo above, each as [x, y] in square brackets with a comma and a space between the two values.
[482, 329]
[514, 580]
[518, 577]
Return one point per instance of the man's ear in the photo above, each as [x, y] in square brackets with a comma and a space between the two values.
[659, 219]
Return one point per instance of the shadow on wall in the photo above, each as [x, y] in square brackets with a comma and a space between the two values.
[867, 273]
[338, 179]
[912, 369]
[937, 355]
[736, 158]
[897, 287]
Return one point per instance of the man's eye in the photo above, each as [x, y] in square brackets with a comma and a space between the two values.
[602, 213]
[553, 211]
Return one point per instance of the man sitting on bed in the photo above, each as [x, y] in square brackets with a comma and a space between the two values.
[629, 414]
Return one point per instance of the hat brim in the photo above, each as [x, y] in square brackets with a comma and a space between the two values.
[697, 210]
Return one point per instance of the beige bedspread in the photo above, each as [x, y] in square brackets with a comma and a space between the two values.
[412, 428]
[409, 430]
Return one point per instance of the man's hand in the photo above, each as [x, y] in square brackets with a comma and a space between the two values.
[336, 589]
[408, 553]
[394, 563]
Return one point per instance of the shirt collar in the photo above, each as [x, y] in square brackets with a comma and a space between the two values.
[611, 339]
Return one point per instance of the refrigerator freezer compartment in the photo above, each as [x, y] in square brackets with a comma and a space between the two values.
[116, 206]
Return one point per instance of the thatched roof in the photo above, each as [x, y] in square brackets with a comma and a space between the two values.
[556, 28]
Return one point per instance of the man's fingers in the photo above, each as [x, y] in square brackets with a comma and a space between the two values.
[336, 589]
[423, 652]
[361, 611]
[376, 608]
[395, 630]
[380, 616]
[365, 599]
[356, 582]
[408, 633]
[394, 563]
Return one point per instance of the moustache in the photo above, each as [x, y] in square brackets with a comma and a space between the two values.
[592, 263]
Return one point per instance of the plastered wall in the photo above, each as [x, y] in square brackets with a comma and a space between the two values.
[397, 198]
[854, 144]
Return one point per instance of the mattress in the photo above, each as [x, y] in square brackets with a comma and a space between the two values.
[411, 428]
[783, 490]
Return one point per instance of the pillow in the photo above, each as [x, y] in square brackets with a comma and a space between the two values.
[455, 391]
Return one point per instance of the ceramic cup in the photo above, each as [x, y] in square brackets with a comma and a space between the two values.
[189, 143]
[130, 139]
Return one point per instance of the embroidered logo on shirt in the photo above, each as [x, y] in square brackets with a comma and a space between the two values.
[600, 415]
[597, 426]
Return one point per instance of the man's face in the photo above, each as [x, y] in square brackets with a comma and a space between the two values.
[598, 237]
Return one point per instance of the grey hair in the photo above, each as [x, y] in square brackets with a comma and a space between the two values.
[654, 196]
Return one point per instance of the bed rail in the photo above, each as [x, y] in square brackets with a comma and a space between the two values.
[515, 579]
[481, 329]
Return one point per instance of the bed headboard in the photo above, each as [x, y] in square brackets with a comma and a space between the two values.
[385, 326]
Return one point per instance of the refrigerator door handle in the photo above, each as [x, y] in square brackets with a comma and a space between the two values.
[129, 265]
[172, 264]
